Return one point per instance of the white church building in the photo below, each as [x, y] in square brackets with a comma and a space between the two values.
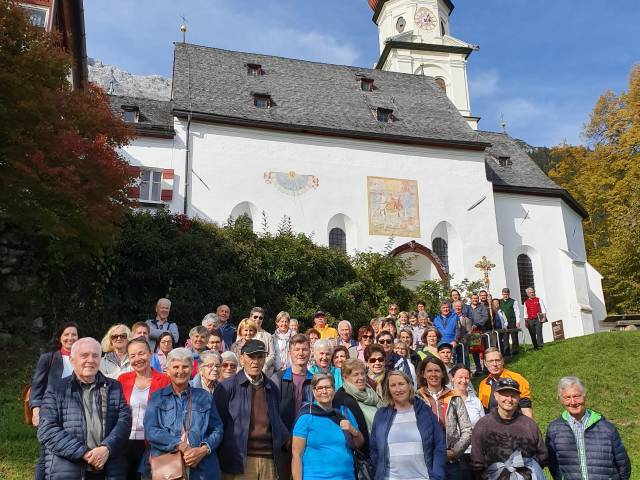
[354, 156]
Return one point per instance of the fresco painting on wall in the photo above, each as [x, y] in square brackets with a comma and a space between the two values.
[291, 183]
[393, 207]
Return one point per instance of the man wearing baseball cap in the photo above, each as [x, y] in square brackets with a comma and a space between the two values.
[505, 440]
[254, 434]
[320, 322]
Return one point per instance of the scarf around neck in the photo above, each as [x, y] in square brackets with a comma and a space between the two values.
[368, 401]
[332, 414]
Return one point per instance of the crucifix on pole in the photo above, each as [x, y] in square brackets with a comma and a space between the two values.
[485, 266]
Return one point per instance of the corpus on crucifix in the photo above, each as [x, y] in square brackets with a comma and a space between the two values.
[485, 265]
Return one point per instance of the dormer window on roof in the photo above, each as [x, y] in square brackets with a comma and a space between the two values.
[254, 69]
[384, 115]
[505, 161]
[366, 84]
[262, 100]
[131, 113]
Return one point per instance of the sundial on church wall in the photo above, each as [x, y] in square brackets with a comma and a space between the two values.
[291, 183]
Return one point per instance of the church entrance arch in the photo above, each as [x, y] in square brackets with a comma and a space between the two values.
[426, 263]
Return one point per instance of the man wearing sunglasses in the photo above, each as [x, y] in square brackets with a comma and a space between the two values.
[257, 315]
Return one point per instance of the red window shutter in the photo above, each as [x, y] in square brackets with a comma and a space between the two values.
[133, 171]
[166, 195]
[167, 174]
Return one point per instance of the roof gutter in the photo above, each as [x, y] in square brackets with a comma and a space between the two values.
[332, 132]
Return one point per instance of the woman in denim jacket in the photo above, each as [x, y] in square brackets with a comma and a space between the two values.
[166, 418]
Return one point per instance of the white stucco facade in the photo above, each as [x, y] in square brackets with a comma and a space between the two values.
[321, 183]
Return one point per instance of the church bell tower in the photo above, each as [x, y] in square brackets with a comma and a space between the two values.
[415, 37]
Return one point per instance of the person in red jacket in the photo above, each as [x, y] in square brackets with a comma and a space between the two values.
[137, 386]
[535, 314]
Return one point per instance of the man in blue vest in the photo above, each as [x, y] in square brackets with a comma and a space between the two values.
[582, 443]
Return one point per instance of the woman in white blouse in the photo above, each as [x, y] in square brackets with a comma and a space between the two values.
[137, 386]
[461, 378]
[281, 338]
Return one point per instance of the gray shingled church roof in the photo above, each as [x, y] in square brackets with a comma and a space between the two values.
[155, 115]
[314, 96]
[523, 174]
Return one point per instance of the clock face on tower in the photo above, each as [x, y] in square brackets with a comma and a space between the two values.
[425, 19]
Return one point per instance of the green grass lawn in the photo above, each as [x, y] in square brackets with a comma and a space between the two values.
[606, 362]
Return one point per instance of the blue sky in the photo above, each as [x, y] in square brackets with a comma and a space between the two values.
[541, 63]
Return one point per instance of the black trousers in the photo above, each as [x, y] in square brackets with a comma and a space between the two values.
[535, 331]
[133, 454]
[515, 343]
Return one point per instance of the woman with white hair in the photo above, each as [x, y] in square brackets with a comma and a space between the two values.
[183, 419]
[322, 351]
[229, 365]
[208, 371]
[115, 360]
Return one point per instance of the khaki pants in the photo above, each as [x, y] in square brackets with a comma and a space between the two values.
[257, 468]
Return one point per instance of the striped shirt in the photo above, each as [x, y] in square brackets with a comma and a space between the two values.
[578, 428]
[406, 457]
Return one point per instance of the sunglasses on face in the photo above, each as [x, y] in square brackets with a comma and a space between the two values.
[385, 342]
[258, 317]
[367, 336]
[376, 360]
[119, 336]
[229, 365]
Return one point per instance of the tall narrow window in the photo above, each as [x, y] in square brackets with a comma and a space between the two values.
[338, 239]
[525, 275]
[441, 249]
[443, 28]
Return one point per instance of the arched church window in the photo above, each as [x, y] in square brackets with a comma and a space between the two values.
[338, 239]
[441, 83]
[441, 249]
[525, 275]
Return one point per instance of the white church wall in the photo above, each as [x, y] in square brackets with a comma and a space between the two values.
[158, 153]
[596, 296]
[536, 226]
[232, 162]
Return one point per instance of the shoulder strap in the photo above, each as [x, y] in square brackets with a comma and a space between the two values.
[53, 355]
[188, 426]
[103, 405]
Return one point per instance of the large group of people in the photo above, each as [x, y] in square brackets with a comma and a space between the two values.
[395, 401]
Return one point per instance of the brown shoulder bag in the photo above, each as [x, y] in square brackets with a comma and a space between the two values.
[170, 466]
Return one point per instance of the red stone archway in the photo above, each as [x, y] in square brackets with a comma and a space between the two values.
[415, 247]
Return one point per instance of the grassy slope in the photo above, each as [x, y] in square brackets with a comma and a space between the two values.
[606, 362]
[608, 365]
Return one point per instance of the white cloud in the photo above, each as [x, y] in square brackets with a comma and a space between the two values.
[484, 84]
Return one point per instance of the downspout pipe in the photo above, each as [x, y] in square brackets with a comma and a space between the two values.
[187, 167]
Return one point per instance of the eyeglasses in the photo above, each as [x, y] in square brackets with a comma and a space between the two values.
[210, 365]
[367, 336]
[119, 336]
[385, 342]
[376, 360]
[258, 317]
[229, 365]
[327, 388]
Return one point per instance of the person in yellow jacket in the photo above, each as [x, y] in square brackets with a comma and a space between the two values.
[320, 324]
[495, 364]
